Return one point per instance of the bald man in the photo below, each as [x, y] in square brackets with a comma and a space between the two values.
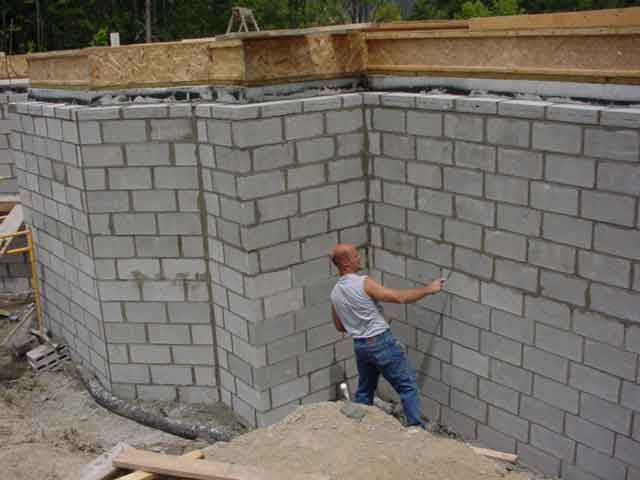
[357, 312]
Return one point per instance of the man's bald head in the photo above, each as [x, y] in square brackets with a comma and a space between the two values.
[346, 258]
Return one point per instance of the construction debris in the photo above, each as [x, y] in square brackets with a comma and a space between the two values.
[505, 457]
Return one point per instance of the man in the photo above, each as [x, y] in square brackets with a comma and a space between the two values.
[357, 312]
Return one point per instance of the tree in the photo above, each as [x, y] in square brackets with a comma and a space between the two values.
[473, 8]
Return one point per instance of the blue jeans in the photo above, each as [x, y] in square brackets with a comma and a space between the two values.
[384, 355]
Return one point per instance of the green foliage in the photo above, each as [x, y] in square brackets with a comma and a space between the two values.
[474, 8]
[505, 7]
[101, 38]
[387, 12]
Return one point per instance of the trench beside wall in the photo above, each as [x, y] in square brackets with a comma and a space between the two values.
[183, 251]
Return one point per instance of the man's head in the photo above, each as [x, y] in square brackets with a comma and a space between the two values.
[346, 258]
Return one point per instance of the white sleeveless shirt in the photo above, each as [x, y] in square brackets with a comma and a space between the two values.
[361, 315]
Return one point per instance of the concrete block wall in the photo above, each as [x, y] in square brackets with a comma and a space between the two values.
[7, 125]
[283, 182]
[531, 211]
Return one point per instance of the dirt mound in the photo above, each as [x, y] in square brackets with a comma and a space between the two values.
[9, 368]
[319, 439]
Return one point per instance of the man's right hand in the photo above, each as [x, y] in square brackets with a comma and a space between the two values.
[436, 286]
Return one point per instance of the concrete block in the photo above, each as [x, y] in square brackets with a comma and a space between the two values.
[435, 252]
[390, 120]
[605, 414]
[561, 287]
[274, 208]
[274, 156]
[130, 373]
[617, 241]
[460, 424]
[89, 133]
[374, 143]
[608, 208]
[156, 246]
[552, 256]
[260, 185]
[424, 123]
[500, 347]
[554, 198]
[399, 195]
[499, 396]
[283, 255]
[283, 302]
[546, 364]
[436, 202]
[287, 347]
[464, 127]
[505, 131]
[627, 451]
[567, 230]
[599, 464]
[424, 175]
[495, 440]
[538, 460]
[469, 406]
[171, 375]
[124, 131]
[150, 354]
[436, 101]
[257, 399]
[555, 394]
[125, 333]
[542, 413]
[265, 234]
[347, 169]
[517, 275]
[398, 99]
[311, 224]
[547, 311]
[255, 133]
[473, 155]
[304, 177]
[598, 327]
[519, 220]
[198, 355]
[147, 154]
[477, 104]
[319, 246]
[389, 169]
[183, 268]
[470, 360]
[463, 234]
[398, 146]
[502, 298]
[617, 362]
[173, 130]
[509, 424]
[352, 192]
[555, 137]
[474, 263]
[559, 342]
[460, 379]
[179, 223]
[139, 268]
[389, 262]
[506, 189]
[620, 117]
[463, 181]
[441, 349]
[424, 225]
[612, 144]
[476, 211]
[578, 171]
[232, 159]
[615, 302]
[589, 434]
[616, 177]
[592, 381]
[154, 201]
[344, 121]
[129, 178]
[586, 114]
[461, 333]
[521, 163]
[302, 126]
[350, 144]
[318, 198]
[434, 150]
[399, 242]
[102, 156]
[219, 132]
[602, 268]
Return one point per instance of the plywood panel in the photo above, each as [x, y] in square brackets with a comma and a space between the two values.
[300, 58]
[226, 62]
[69, 68]
[621, 17]
[14, 66]
[149, 65]
[618, 54]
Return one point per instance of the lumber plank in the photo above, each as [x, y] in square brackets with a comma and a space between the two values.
[621, 17]
[10, 224]
[101, 468]
[496, 455]
[141, 475]
[134, 459]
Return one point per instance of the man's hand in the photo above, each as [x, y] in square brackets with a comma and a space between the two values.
[436, 286]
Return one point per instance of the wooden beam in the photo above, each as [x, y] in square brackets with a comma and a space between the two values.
[620, 17]
[418, 25]
[140, 475]
[133, 459]
[505, 457]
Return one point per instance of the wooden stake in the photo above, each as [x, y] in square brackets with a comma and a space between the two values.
[505, 457]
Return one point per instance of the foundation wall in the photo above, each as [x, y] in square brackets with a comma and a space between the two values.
[532, 209]
[183, 251]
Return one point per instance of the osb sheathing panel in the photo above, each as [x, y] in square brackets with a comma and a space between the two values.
[304, 57]
[609, 56]
[226, 62]
[178, 63]
[14, 66]
[70, 69]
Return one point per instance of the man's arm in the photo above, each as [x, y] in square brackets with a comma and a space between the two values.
[384, 294]
[336, 320]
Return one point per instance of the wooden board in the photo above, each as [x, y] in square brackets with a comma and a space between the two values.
[621, 17]
[14, 66]
[505, 457]
[301, 58]
[133, 459]
[11, 224]
[140, 475]
[59, 68]
[419, 25]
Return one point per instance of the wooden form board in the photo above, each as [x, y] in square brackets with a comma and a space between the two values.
[133, 459]
[13, 66]
[599, 46]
